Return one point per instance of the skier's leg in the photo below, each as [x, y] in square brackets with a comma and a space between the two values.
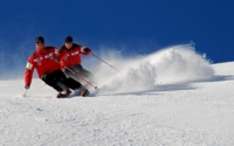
[74, 76]
[71, 80]
[50, 80]
[56, 80]
[84, 72]
[73, 84]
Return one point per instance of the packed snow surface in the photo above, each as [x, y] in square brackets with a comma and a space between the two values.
[173, 97]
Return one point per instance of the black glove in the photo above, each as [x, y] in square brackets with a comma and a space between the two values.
[87, 50]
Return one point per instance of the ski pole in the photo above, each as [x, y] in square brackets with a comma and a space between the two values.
[104, 61]
[82, 78]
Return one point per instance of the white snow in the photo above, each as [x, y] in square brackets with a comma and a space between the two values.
[194, 107]
[176, 64]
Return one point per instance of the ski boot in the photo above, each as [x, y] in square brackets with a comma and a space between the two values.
[64, 94]
[84, 92]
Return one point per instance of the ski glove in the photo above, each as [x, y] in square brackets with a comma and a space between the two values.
[87, 51]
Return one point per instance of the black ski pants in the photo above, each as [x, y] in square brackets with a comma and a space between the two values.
[75, 75]
[56, 79]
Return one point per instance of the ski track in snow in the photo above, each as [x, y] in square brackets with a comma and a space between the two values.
[199, 113]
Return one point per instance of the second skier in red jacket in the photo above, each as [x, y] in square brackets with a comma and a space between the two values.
[70, 61]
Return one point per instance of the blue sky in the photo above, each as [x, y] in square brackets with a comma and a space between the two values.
[135, 26]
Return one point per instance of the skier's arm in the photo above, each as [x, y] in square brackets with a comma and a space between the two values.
[28, 74]
[85, 50]
[61, 60]
[62, 64]
[57, 55]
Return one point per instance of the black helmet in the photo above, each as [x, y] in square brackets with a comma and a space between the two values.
[68, 39]
[40, 39]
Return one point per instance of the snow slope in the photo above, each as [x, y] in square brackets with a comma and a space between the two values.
[181, 113]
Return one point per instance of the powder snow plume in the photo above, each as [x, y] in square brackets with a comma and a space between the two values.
[172, 65]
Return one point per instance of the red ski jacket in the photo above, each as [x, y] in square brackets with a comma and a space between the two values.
[44, 61]
[70, 57]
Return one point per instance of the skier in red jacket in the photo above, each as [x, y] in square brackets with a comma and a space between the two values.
[46, 61]
[70, 61]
